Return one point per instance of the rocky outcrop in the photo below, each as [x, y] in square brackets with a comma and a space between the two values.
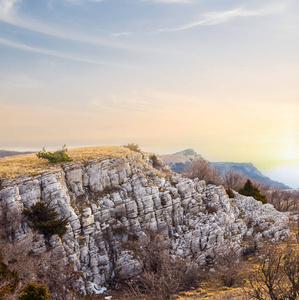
[110, 200]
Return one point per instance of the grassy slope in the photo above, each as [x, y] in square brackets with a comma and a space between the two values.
[13, 166]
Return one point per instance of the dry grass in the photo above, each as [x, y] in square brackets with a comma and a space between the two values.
[13, 166]
[212, 293]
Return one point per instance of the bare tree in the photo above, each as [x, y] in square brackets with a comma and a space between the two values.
[229, 267]
[233, 180]
[283, 200]
[163, 274]
[202, 169]
[277, 277]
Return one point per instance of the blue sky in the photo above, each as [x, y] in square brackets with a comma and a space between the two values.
[218, 76]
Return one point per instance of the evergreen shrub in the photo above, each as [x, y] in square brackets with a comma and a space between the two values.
[250, 190]
[45, 219]
[34, 291]
[54, 157]
[132, 147]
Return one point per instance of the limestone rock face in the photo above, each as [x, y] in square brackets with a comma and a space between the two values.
[106, 201]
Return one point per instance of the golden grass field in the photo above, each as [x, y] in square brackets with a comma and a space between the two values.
[13, 166]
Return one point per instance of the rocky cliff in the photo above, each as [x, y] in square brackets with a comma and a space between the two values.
[108, 201]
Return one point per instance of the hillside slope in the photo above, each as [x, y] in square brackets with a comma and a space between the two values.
[109, 200]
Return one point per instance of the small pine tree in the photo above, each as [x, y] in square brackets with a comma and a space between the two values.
[250, 190]
[45, 219]
[57, 156]
[133, 147]
[33, 291]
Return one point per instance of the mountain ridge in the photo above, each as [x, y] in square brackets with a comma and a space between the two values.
[179, 161]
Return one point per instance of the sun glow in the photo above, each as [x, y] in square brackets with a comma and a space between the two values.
[290, 153]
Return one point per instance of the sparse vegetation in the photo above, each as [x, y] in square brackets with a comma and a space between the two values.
[250, 190]
[230, 193]
[54, 157]
[228, 267]
[29, 164]
[9, 280]
[283, 200]
[132, 147]
[34, 291]
[163, 275]
[202, 169]
[277, 276]
[155, 161]
[45, 219]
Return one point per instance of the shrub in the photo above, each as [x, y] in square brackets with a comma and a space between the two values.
[133, 147]
[228, 267]
[202, 169]
[230, 193]
[45, 219]
[155, 161]
[9, 280]
[277, 276]
[250, 190]
[163, 275]
[33, 291]
[57, 156]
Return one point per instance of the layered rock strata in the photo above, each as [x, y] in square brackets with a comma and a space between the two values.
[107, 201]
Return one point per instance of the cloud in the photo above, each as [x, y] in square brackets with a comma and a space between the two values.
[54, 53]
[125, 33]
[169, 1]
[214, 18]
[144, 99]
[76, 2]
[8, 8]
[9, 14]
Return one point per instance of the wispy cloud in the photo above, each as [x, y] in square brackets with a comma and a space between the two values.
[144, 99]
[169, 1]
[214, 18]
[82, 1]
[9, 14]
[125, 33]
[54, 53]
[8, 8]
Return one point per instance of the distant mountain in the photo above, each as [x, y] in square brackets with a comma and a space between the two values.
[179, 162]
[248, 169]
[4, 153]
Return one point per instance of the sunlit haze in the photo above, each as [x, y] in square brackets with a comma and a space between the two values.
[220, 77]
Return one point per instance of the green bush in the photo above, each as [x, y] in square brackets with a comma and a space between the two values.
[53, 157]
[230, 193]
[133, 147]
[250, 190]
[33, 291]
[45, 219]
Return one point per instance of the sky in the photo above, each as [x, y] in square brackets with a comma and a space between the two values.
[220, 77]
